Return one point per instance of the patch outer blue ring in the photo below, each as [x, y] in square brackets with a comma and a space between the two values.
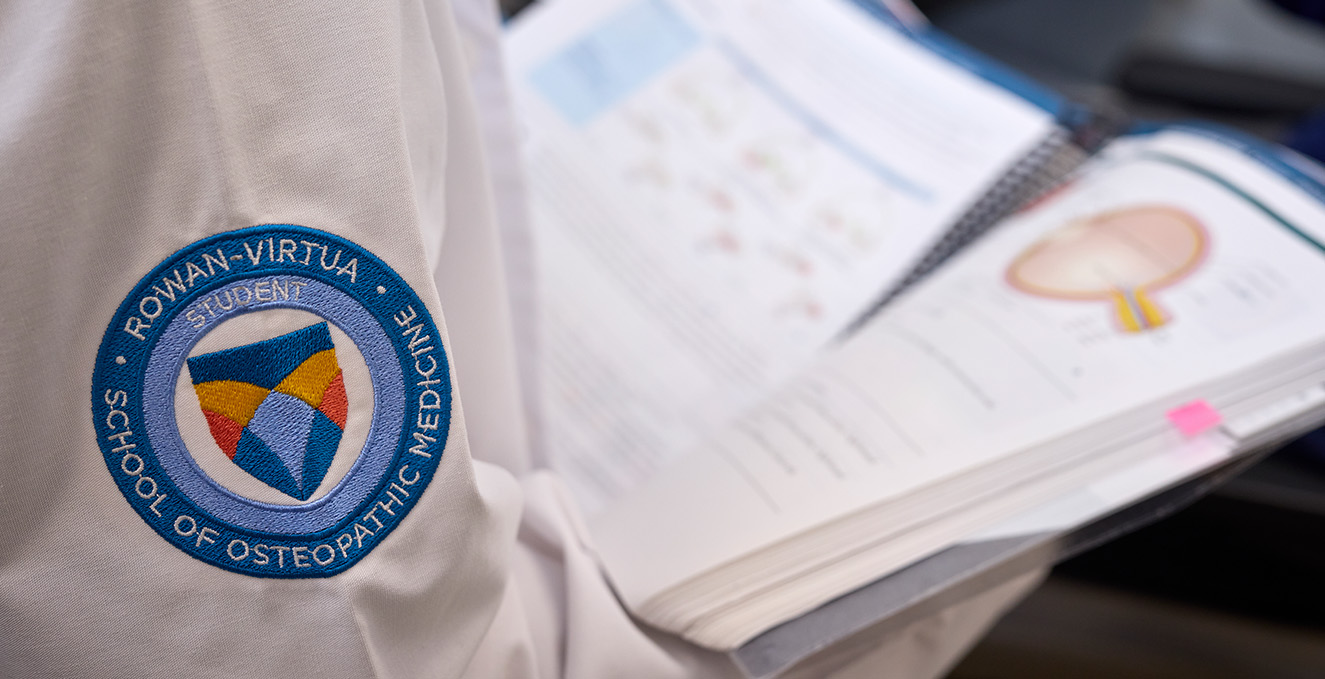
[134, 380]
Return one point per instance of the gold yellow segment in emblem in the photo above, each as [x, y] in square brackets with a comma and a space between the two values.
[235, 400]
[309, 381]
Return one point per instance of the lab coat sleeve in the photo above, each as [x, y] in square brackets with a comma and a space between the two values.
[130, 130]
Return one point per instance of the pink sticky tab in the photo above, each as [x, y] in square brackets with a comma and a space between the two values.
[1195, 417]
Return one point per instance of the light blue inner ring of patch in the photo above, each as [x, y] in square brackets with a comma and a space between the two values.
[373, 462]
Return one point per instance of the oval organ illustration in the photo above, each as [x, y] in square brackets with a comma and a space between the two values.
[1121, 256]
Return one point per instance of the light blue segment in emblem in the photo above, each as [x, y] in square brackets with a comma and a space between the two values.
[323, 440]
[283, 423]
[253, 456]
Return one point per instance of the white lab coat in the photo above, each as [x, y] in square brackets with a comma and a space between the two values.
[131, 129]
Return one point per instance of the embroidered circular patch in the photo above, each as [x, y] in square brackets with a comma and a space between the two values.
[272, 400]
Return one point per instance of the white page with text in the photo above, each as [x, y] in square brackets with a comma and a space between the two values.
[719, 189]
[1170, 261]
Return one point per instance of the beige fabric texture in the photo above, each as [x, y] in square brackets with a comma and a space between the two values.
[131, 129]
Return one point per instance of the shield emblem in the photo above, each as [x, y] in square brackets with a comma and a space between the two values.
[277, 407]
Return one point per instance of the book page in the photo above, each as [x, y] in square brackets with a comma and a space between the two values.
[1171, 262]
[719, 189]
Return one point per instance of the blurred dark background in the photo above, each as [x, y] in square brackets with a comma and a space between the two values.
[1254, 64]
[1234, 585]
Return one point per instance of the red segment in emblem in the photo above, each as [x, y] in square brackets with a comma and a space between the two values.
[334, 402]
[226, 432]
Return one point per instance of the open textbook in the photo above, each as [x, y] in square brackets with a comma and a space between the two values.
[724, 192]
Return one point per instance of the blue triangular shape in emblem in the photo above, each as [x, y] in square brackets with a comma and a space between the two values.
[323, 439]
[254, 457]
